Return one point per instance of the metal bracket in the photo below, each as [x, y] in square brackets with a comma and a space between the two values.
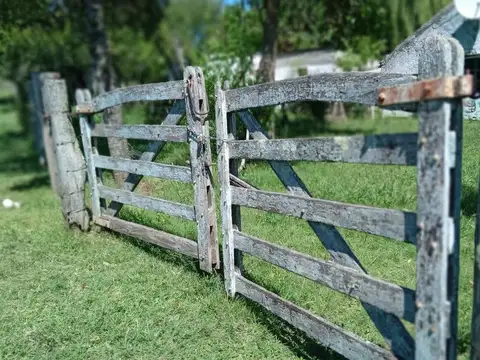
[449, 87]
[196, 93]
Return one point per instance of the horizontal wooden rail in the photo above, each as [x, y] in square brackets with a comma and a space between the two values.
[391, 298]
[448, 87]
[144, 168]
[394, 224]
[386, 149]
[355, 87]
[326, 333]
[168, 241]
[147, 202]
[171, 90]
[173, 133]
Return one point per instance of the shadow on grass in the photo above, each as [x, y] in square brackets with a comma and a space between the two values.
[36, 182]
[469, 200]
[299, 343]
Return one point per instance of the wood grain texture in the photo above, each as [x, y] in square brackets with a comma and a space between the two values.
[234, 166]
[394, 224]
[144, 168]
[85, 128]
[173, 133]
[225, 191]
[391, 328]
[354, 87]
[69, 161]
[386, 149]
[455, 145]
[152, 236]
[433, 207]
[326, 333]
[147, 202]
[174, 116]
[475, 338]
[391, 298]
[172, 90]
[197, 105]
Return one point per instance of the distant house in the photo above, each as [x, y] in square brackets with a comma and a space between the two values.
[404, 59]
[310, 62]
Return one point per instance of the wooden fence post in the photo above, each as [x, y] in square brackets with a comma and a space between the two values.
[225, 190]
[41, 125]
[475, 350]
[438, 201]
[234, 166]
[196, 105]
[69, 159]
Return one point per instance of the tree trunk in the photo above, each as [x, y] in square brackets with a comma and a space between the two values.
[269, 51]
[102, 77]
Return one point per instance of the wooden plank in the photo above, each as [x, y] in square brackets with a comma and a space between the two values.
[234, 166]
[454, 145]
[433, 206]
[225, 190]
[475, 338]
[391, 328]
[199, 158]
[235, 181]
[386, 149]
[447, 87]
[152, 236]
[173, 118]
[171, 90]
[147, 202]
[144, 168]
[390, 298]
[394, 224]
[326, 333]
[85, 128]
[173, 133]
[353, 87]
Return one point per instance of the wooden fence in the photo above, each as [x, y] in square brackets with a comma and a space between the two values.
[190, 100]
[434, 229]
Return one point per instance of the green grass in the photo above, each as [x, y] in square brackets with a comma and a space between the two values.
[98, 295]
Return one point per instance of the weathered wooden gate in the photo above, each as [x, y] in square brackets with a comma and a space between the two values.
[190, 99]
[436, 152]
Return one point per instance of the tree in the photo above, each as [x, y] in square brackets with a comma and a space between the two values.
[102, 76]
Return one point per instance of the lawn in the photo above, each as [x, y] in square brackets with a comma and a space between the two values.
[98, 295]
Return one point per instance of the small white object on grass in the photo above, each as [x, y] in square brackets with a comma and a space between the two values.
[7, 203]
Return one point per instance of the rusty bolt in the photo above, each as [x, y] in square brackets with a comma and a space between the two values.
[381, 98]
[427, 90]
